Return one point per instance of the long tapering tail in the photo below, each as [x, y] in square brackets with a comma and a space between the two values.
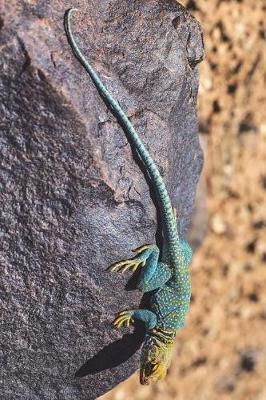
[170, 228]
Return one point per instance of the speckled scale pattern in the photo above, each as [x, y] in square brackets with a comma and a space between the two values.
[171, 307]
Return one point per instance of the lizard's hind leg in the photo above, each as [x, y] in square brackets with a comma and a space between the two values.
[146, 256]
[153, 274]
[148, 282]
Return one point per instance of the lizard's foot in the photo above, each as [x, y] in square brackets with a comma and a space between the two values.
[123, 318]
[127, 265]
[134, 263]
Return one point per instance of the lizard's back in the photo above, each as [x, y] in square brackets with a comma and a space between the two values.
[171, 302]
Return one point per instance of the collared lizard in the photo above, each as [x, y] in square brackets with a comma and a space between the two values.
[164, 273]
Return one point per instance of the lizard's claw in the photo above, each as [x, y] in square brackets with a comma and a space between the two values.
[140, 249]
[123, 318]
[125, 265]
[174, 213]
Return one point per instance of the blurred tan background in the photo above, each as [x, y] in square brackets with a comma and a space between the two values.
[221, 352]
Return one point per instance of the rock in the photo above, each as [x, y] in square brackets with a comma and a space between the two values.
[199, 219]
[74, 199]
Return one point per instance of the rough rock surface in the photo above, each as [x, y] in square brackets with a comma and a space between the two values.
[73, 198]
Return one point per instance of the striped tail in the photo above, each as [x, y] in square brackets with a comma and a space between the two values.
[170, 228]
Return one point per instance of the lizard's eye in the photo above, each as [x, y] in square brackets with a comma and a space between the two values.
[149, 368]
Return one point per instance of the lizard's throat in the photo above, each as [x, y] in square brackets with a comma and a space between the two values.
[162, 336]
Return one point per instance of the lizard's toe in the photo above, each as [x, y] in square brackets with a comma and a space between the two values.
[141, 249]
[123, 318]
[126, 265]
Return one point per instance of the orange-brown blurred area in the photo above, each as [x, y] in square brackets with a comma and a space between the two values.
[221, 352]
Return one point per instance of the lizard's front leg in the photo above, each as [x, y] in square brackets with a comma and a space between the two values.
[127, 318]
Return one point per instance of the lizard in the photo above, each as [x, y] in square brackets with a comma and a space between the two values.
[164, 273]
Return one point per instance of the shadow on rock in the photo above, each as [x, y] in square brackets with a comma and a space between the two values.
[114, 354]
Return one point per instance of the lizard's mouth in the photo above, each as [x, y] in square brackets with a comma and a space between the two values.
[152, 372]
[145, 373]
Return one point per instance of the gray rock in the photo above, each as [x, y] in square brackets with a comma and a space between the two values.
[74, 199]
[199, 220]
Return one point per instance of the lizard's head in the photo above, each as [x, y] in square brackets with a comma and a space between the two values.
[155, 357]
